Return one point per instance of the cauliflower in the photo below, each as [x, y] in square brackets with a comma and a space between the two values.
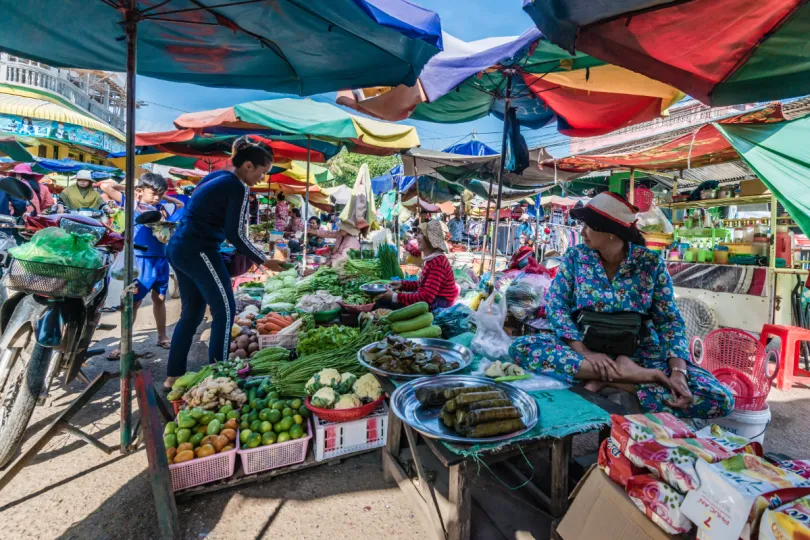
[348, 401]
[324, 398]
[325, 377]
[346, 382]
[367, 387]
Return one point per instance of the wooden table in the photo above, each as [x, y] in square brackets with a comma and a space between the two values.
[449, 515]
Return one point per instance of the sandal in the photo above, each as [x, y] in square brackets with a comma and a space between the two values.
[165, 344]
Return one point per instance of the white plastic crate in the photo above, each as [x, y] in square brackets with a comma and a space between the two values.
[334, 439]
[264, 458]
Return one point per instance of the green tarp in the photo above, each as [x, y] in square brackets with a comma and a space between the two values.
[780, 156]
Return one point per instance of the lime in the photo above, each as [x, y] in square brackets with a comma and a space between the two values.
[296, 432]
[278, 405]
[232, 414]
[244, 417]
[264, 414]
[261, 404]
[253, 416]
[284, 436]
[243, 435]
[298, 419]
[273, 395]
[296, 404]
[288, 402]
[286, 423]
[275, 416]
[254, 440]
[254, 426]
[303, 411]
[286, 412]
[225, 409]
[244, 425]
[221, 417]
[268, 438]
[246, 409]
[278, 427]
[265, 427]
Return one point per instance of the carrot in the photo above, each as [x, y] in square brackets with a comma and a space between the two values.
[288, 319]
[279, 320]
[272, 326]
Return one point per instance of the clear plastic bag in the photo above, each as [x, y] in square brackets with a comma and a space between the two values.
[537, 382]
[527, 294]
[654, 220]
[117, 268]
[491, 341]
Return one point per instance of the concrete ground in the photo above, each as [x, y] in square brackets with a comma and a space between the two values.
[73, 490]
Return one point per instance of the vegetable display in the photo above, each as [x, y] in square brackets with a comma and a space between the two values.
[261, 363]
[324, 278]
[198, 433]
[325, 337]
[414, 321]
[368, 269]
[269, 418]
[275, 323]
[213, 393]
[473, 411]
[319, 301]
[329, 389]
[395, 354]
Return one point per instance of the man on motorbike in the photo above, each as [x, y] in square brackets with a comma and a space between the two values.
[152, 265]
[81, 194]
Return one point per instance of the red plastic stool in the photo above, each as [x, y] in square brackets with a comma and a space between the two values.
[791, 340]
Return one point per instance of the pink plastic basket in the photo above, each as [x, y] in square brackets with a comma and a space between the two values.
[264, 458]
[739, 361]
[204, 470]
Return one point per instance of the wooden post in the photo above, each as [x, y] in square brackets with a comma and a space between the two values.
[631, 196]
[306, 206]
[560, 452]
[460, 497]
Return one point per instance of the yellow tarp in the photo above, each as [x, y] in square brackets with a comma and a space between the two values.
[385, 134]
[121, 162]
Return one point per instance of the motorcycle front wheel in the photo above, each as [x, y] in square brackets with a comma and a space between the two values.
[29, 365]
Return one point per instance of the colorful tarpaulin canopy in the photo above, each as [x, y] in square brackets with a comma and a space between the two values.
[277, 118]
[467, 81]
[721, 52]
[12, 148]
[704, 146]
[295, 46]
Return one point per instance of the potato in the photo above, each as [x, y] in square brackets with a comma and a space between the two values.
[229, 433]
[220, 441]
[242, 342]
[185, 455]
[253, 347]
[184, 446]
[205, 451]
[241, 353]
[245, 331]
[254, 338]
[232, 347]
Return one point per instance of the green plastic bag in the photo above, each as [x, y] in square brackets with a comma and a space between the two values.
[57, 246]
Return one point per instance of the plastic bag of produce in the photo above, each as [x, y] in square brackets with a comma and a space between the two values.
[454, 320]
[527, 294]
[57, 246]
[117, 269]
[491, 341]
[654, 220]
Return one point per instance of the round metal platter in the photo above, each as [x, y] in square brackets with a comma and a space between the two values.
[373, 288]
[426, 420]
[450, 351]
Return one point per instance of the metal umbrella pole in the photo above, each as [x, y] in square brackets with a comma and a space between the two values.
[501, 167]
[485, 232]
[306, 205]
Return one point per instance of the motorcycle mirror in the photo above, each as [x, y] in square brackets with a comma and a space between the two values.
[150, 216]
[16, 188]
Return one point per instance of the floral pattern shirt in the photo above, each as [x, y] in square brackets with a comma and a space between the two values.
[642, 285]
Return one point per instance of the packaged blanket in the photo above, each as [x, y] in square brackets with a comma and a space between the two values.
[673, 460]
[644, 427]
[616, 466]
[659, 502]
[788, 522]
[729, 441]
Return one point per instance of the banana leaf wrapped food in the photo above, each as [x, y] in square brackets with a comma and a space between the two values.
[463, 400]
[489, 404]
[452, 392]
[481, 416]
[492, 429]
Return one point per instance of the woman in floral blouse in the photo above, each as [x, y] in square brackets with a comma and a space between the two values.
[613, 272]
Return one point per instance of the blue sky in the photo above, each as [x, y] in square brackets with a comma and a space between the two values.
[466, 19]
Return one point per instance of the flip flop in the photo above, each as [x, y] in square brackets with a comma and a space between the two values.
[165, 344]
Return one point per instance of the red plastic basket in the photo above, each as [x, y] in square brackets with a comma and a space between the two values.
[345, 415]
[643, 198]
[739, 361]
[177, 404]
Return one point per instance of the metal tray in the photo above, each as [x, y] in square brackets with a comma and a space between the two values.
[373, 288]
[449, 350]
[426, 420]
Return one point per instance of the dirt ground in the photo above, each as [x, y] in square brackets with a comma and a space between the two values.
[73, 490]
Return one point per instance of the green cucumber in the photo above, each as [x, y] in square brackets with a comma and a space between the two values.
[422, 321]
[408, 312]
[427, 332]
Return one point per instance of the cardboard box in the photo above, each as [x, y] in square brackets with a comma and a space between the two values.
[601, 509]
[753, 187]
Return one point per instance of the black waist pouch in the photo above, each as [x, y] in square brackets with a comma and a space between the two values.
[613, 334]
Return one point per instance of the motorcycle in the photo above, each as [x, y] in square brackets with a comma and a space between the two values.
[49, 318]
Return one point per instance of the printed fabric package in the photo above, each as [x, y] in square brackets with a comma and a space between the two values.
[616, 466]
[788, 522]
[729, 441]
[673, 460]
[800, 467]
[647, 426]
[659, 502]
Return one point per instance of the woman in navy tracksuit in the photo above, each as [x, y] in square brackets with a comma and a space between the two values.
[218, 211]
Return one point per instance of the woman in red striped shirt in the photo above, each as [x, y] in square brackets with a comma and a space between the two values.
[436, 284]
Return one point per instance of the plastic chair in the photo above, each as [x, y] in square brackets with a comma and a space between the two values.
[740, 362]
[791, 338]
